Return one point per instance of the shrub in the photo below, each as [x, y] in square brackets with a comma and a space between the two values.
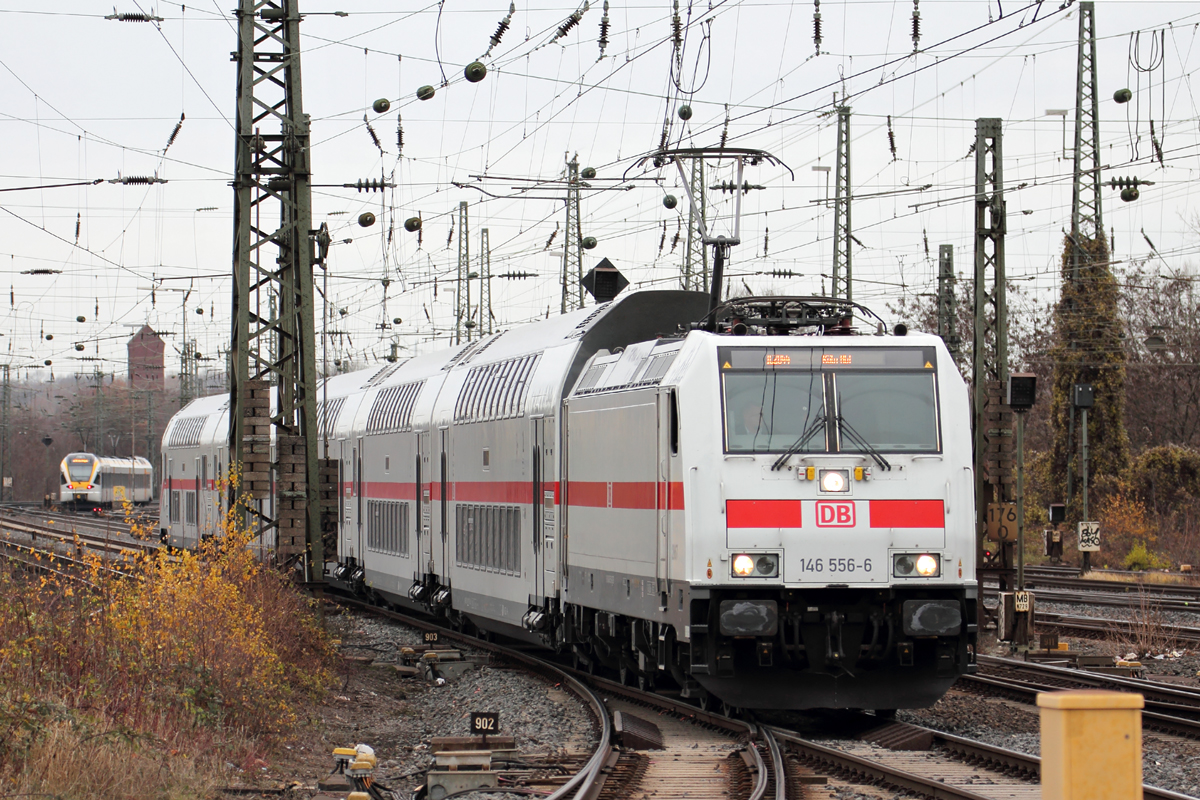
[185, 648]
[1140, 558]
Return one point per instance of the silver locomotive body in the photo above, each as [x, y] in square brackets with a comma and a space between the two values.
[774, 521]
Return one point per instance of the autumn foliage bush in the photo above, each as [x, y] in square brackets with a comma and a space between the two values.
[197, 654]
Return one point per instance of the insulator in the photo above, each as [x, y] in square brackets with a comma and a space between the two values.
[685, 112]
[676, 28]
[1158, 153]
[450, 235]
[725, 128]
[570, 22]
[665, 137]
[138, 180]
[891, 137]
[1130, 194]
[81, 318]
[368, 185]
[550, 241]
[381, 105]
[587, 173]
[817, 25]
[500, 29]
[675, 240]
[399, 137]
[374, 136]
[412, 224]
[514, 276]
[1122, 95]
[603, 41]
[174, 133]
[366, 219]
[475, 72]
[662, 240]
[133, 16]
[78, 222]
[670, 201]
[425, 92]
[916, 27]
[766, 240]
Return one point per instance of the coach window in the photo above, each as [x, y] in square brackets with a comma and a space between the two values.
[773, 411]
[387, 464]
[892, 412]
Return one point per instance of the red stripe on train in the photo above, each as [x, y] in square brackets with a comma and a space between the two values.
[908, 514]
[763, 514]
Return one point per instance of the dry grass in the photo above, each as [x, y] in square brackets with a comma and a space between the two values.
[1161, 578]
[145, 686]
[1150, 633]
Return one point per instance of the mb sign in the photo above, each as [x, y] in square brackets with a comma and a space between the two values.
[835, 514]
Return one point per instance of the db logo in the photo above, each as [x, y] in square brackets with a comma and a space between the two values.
[832, 514]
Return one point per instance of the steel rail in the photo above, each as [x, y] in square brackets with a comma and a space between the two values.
[583, 780]
[760, 786]
[1027, 692]
[1095, 625]
[777, 762]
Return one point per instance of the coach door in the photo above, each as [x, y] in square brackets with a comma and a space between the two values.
[545, 530]
[424, 516]
[668, 473]
[443, 502]
[359, 460]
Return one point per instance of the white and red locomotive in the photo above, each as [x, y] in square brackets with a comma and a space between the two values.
[779, 519]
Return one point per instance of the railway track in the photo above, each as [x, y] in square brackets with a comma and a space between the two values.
[783, 760]
[1169, 709]
[1100, 628]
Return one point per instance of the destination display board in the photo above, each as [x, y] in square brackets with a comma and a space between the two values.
[821, 358]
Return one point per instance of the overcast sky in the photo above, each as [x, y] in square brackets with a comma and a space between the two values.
[87, 98]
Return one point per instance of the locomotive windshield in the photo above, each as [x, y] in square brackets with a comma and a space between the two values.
[816, 400]
[79, 467]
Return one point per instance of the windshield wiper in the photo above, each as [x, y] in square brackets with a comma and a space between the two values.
[856, 438]
[817, 425]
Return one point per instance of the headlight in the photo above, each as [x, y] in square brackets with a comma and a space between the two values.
[928, 566]
[835, 480]
[912, 565]
[763, 565]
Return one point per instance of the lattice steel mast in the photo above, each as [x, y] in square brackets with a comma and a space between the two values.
[273, 255]
[842, 281]
[695, 258]
[462, 289]
[947, 309]
[1086, 217]
[992, 418]
[485, 284]
[572, 269]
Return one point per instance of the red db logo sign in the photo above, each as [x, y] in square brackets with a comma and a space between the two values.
[835, 514]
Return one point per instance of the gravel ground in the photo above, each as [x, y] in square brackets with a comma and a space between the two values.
[1168, 762]
[398, 716]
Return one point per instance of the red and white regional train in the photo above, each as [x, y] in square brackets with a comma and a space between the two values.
[782, 519]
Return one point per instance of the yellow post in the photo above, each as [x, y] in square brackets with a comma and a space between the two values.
[1091, 745]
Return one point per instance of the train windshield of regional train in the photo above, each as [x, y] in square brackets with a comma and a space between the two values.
[80, 467]
[818, 400]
